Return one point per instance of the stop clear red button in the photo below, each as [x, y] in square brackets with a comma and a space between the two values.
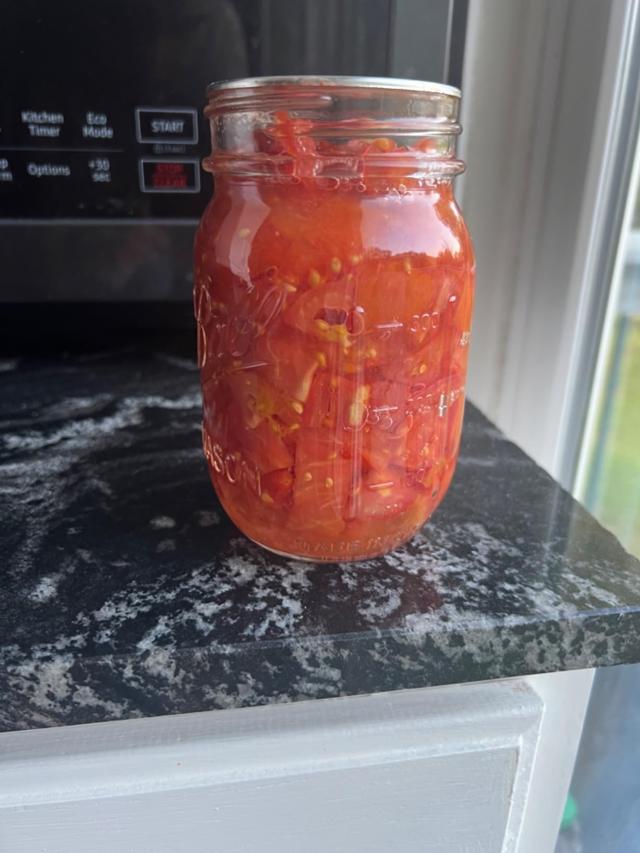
[171, 175]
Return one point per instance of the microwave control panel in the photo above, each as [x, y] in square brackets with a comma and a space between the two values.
[100, 161]
[102, 113]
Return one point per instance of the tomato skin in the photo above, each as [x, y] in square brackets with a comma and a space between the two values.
[333, 341]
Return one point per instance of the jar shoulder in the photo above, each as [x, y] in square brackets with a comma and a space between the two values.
[331, 226]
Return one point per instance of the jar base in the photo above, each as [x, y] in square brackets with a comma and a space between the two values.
[284, 553]
[346, 559]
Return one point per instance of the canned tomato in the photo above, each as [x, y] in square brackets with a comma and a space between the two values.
[333, 293]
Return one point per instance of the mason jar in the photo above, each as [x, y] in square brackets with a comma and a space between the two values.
[333, 292]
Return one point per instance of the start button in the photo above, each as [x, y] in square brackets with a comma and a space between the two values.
[166, 124]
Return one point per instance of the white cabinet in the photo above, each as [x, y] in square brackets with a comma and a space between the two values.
[441, 769]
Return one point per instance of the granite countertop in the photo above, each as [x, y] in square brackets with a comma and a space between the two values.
[126, 592]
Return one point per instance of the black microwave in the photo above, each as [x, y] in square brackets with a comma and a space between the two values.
[102, 132]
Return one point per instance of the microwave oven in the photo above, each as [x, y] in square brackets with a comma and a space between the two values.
[102, 131]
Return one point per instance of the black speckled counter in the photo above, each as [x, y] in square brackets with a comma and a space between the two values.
[126, 592]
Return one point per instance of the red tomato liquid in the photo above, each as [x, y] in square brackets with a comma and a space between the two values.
[333, 330]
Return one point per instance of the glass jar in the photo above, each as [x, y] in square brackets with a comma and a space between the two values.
[333, 293]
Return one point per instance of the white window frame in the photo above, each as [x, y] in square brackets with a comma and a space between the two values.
[546, 95]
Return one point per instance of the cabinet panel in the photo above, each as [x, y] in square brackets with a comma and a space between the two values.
[443, 769]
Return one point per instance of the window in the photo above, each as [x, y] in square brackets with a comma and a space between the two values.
[609, 483]
[603, 810]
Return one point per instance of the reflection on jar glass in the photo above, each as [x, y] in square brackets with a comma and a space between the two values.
[333, 293]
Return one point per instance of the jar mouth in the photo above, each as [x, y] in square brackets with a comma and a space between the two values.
[311, 81]
[333, 126]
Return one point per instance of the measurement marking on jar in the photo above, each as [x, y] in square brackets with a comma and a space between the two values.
[381, 416]
[392, 326]
[424, 322]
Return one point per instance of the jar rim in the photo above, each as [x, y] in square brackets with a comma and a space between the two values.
[396, 84]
